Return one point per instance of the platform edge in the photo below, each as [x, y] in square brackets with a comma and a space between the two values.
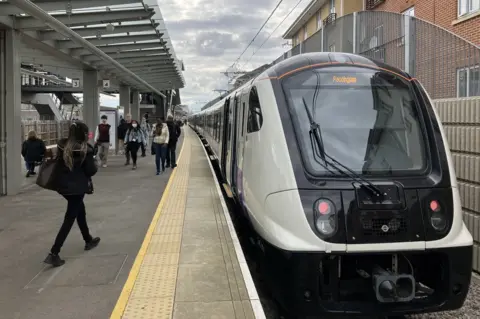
[257, 307]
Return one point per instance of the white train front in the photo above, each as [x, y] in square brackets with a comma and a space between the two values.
[342, 167]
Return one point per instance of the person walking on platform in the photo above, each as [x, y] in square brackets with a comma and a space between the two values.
[134, 139]
[121, 131]
[145, 127]
[33, 151]
[73, 180]
[174, 132]
[127, 127]
[160, 142]
[102, 139]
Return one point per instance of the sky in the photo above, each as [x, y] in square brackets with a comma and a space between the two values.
[209, 35]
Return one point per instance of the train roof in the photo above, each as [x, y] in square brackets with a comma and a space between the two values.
[304, 60]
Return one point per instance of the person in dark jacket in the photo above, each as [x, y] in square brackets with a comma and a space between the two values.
[73, 179]
[121, 131]
[174, 133]
[33, 151]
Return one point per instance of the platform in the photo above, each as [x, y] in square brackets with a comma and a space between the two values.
[186, 266]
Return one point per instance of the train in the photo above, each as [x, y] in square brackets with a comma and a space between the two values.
[342, 168]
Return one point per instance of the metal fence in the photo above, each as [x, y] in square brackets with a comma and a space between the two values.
[49, 131]
[447, 65]
[461, 121]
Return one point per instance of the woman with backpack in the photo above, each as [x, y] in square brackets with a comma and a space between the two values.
[73, 179]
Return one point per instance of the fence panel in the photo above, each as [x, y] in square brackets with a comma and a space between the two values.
[461, 121]
[49, 131]
[313, 43]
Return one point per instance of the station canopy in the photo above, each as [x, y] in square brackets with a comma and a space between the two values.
[136, 49]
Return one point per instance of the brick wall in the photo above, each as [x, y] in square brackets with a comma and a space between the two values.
[438, 12]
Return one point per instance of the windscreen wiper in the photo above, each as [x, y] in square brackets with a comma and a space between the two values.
[316, 134]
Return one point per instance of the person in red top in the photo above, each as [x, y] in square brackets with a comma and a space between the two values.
[102, 138]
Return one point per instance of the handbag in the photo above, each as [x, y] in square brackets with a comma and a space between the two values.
[47, 174]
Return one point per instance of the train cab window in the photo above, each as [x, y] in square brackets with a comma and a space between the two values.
[369, 120]
[255, 116]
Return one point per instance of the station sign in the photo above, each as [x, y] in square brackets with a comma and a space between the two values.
[76, 83]
[106, 84]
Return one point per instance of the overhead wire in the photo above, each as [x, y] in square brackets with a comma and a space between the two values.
[256, 35]
[276, 28]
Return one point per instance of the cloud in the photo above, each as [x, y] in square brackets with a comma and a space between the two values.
[209, 35]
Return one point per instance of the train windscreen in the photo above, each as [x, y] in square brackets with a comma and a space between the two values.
[368, 120]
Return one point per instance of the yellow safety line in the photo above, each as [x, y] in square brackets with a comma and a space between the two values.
[122, 301]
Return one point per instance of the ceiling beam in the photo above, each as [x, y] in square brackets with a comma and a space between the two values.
[159, 68]
[120, 48]
[132, 54]
[85, 18]
[51, 5]
[163, 59]
[94, 31]
[67, 44]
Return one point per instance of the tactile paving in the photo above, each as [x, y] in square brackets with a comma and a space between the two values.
[161, 259]
[153, 293]
[166, 238]
[155, 281]
[149, 308]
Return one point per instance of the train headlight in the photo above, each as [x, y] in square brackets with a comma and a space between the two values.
[438, 219]
[325, 217]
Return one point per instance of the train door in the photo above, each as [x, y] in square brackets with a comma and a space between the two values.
[223, 137]
[236, 108]
[229, 157]
[241, 143]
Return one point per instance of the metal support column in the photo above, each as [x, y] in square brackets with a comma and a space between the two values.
[354, 38]
[125, 100]
[410, 51]
[135, 107]
[10, 114]
[91, 101]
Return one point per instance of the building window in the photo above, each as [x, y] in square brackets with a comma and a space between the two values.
[468, 6]
[468, 82]
[332, 6]
[305, 33]
[319, 21]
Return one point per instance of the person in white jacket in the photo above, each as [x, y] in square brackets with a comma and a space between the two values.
[160, 143]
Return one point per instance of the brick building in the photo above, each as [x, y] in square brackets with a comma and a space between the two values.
[461, 17]
[448, 66]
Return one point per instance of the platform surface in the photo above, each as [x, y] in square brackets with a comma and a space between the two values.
[187, 267]
[89, 284]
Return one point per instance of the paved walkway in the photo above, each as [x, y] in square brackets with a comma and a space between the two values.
[89, 284]
[187, 267]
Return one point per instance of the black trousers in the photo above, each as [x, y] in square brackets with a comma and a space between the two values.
[171, 155]
[75, 210]
[132, 150]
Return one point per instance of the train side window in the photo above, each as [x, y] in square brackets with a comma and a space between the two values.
[255, 117]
